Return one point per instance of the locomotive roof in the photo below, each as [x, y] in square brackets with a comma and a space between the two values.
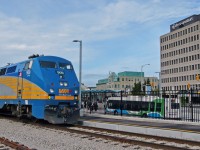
[33, 57]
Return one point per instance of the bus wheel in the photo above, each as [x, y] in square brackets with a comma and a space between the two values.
[144, 116]
[115, 112]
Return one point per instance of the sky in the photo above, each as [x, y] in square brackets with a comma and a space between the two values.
[117, 35]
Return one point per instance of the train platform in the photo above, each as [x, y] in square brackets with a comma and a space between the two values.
[156, 127]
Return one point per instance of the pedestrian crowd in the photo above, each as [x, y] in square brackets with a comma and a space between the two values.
[91, 105]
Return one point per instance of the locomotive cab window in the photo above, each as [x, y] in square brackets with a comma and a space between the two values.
[28, 65]
[2, 71]
[11, 69]
[47, 64]
[65, 66]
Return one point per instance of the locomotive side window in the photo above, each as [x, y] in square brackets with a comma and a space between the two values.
[2, 71]
[65, 66]
[11, 69]
[47, 64]
[26, 67]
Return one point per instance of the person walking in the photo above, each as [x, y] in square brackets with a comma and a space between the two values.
[95, 106]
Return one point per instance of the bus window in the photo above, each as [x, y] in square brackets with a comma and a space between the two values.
[110, 104]
[136, 106]
[145, 106]
[128, 105]
[113, 104]
[123, 105]
[175, 106]
[152, 104]
[158, 107]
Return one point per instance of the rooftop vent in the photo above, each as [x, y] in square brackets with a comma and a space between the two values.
[33, 56]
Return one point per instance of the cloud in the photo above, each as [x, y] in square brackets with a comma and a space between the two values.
[112, 31]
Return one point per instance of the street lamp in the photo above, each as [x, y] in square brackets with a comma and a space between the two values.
[141, 74]
[80, 70]
[159, 84]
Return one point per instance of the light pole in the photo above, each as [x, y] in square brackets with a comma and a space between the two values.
[80, 70]
[141, 74]
[159, 84]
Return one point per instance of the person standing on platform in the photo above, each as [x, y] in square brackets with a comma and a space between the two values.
[95, 106]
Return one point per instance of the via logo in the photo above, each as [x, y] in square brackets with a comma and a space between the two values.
[28, 72]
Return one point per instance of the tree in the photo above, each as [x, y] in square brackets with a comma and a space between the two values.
[148, 81]
[136, 88]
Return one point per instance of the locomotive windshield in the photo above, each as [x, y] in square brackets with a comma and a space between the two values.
[47, 64]
[65, 66]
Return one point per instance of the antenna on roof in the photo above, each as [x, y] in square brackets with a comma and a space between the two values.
[8, 64]
[33, 56]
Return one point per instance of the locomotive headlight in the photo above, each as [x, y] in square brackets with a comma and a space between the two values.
[65, 84]
[76, 91]
[61, 83]
[51, 91]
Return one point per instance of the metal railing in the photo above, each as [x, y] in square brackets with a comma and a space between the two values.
[172, 105]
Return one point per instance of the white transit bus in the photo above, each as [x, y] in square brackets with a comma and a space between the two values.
[144, 106]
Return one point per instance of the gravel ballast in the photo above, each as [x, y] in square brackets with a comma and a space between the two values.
[50, 139]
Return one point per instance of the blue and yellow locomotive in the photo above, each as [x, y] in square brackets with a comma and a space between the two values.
[42, 87]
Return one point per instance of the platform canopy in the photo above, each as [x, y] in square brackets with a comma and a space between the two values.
[100, 91]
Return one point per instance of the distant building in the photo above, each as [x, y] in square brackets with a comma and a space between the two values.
[180, 55]
[84, 87]
[124, 81]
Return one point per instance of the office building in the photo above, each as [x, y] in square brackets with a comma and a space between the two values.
[180, 55]
[125, 81]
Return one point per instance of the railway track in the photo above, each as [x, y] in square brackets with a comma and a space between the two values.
[153, 142]
[138, 139]
[12, 144]
[129, 139]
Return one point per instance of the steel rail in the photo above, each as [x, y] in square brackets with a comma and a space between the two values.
[115, 138]
[13, 144]
[118, 139]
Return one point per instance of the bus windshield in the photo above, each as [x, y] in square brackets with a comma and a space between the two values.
[113, 104]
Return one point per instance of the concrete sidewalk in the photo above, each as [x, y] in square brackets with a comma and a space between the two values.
[156, 127]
